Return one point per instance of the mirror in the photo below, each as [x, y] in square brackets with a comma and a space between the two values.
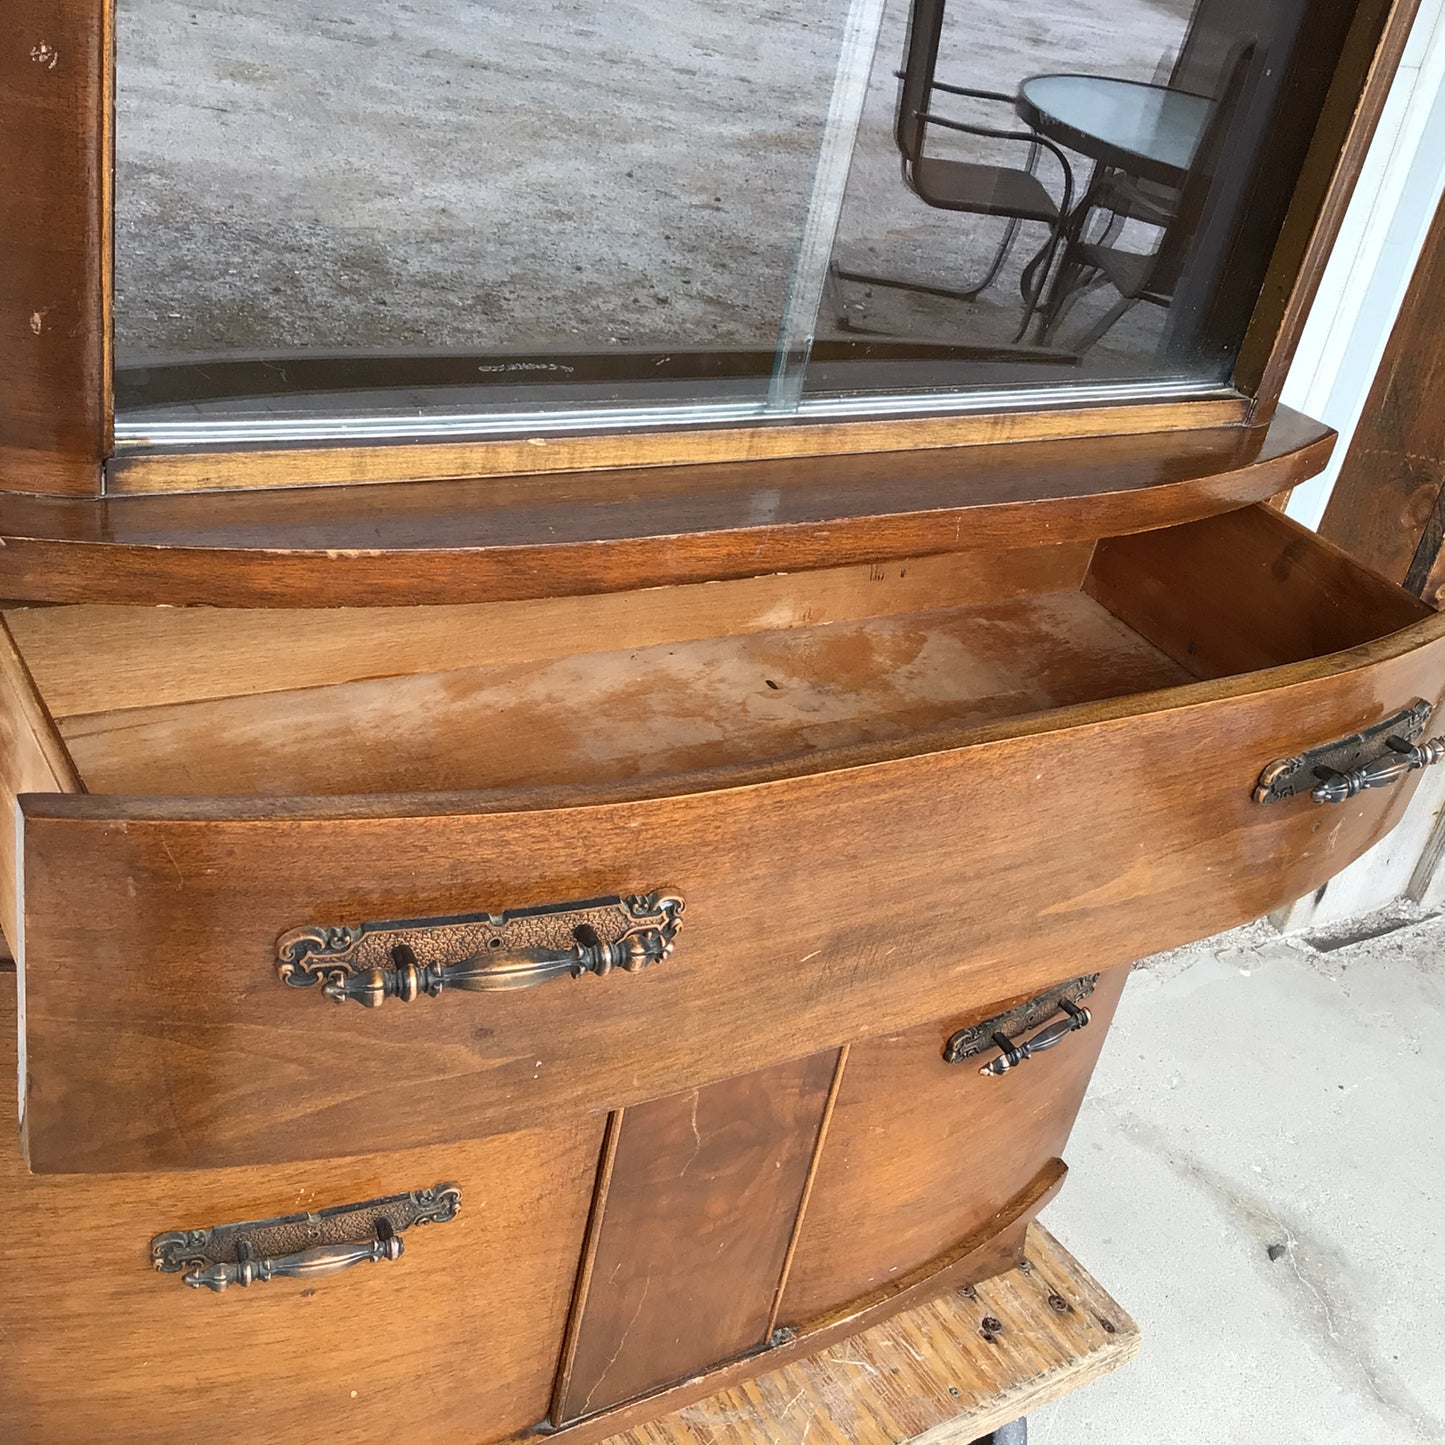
[458, 218]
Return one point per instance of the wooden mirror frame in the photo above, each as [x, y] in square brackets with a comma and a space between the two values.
[957, 482]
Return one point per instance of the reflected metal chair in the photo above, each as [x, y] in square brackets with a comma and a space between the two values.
[978, 188]
[1217, 29]
[1154, 277]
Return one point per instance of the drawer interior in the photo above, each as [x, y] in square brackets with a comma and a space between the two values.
[156, 701]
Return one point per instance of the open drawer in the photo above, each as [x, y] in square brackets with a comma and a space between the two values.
[884, 795]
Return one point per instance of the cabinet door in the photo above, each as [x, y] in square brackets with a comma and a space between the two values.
[457, 1339]
[702, 1196]
[921, 1153]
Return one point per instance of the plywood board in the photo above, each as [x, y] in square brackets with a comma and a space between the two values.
[943, 1373]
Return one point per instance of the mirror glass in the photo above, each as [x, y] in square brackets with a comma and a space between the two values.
[474, 217]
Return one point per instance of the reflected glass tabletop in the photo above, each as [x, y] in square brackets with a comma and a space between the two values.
[1148, 130]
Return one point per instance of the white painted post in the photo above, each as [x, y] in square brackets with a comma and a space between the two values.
[1374, 256]
[1343, 343]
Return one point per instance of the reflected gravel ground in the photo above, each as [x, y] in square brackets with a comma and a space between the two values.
[445, 174]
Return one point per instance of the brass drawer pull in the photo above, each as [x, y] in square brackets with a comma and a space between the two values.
[1403, 758]
[1012, 1054]
[480, 952]
[1337, 771]
[1000, 1031]
[304, 1264]
[300, 1246]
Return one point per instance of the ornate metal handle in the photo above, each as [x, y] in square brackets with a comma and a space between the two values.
[300, 1246]
[481, 952]
[1334, 771]
[1002, 1029]
[1012, 1054]
[304, 1264]
[1402, 758]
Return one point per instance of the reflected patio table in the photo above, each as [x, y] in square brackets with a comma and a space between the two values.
[1146, 130]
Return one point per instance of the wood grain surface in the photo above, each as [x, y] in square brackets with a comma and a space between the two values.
[215, 469]
[1152, 840]
[921, 1153]
[1245, 590]
[700, 1206]
[105, 659]
[933, 1375]
[995, 1249]
[54, 235]
[457, 1339]
[32, 759]
[649, 713]
[502, 539]
[1386, 506]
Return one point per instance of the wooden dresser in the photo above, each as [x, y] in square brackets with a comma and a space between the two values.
[515, 932]
[664, 946]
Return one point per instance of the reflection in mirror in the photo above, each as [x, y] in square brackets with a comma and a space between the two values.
[538, 199]
[450, 217]
[1094, 187]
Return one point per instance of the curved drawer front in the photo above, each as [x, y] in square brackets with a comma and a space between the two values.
[160, 1035]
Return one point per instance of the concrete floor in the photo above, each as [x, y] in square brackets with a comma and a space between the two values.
[1260, 1090]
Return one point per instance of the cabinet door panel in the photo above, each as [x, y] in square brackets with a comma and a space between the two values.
[458, 1339]
[921, 1153]
[700, 1208]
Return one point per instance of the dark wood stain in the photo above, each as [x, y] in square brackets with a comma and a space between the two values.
[571, 534]
[921, 1154]
[1385, 509]
[54, 229]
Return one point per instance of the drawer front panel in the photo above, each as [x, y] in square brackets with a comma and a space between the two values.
[819, 909]
[458, 1338]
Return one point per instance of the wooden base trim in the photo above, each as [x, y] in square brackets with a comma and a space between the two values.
[254, 469]
[935, 1374]
[997, 1247]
